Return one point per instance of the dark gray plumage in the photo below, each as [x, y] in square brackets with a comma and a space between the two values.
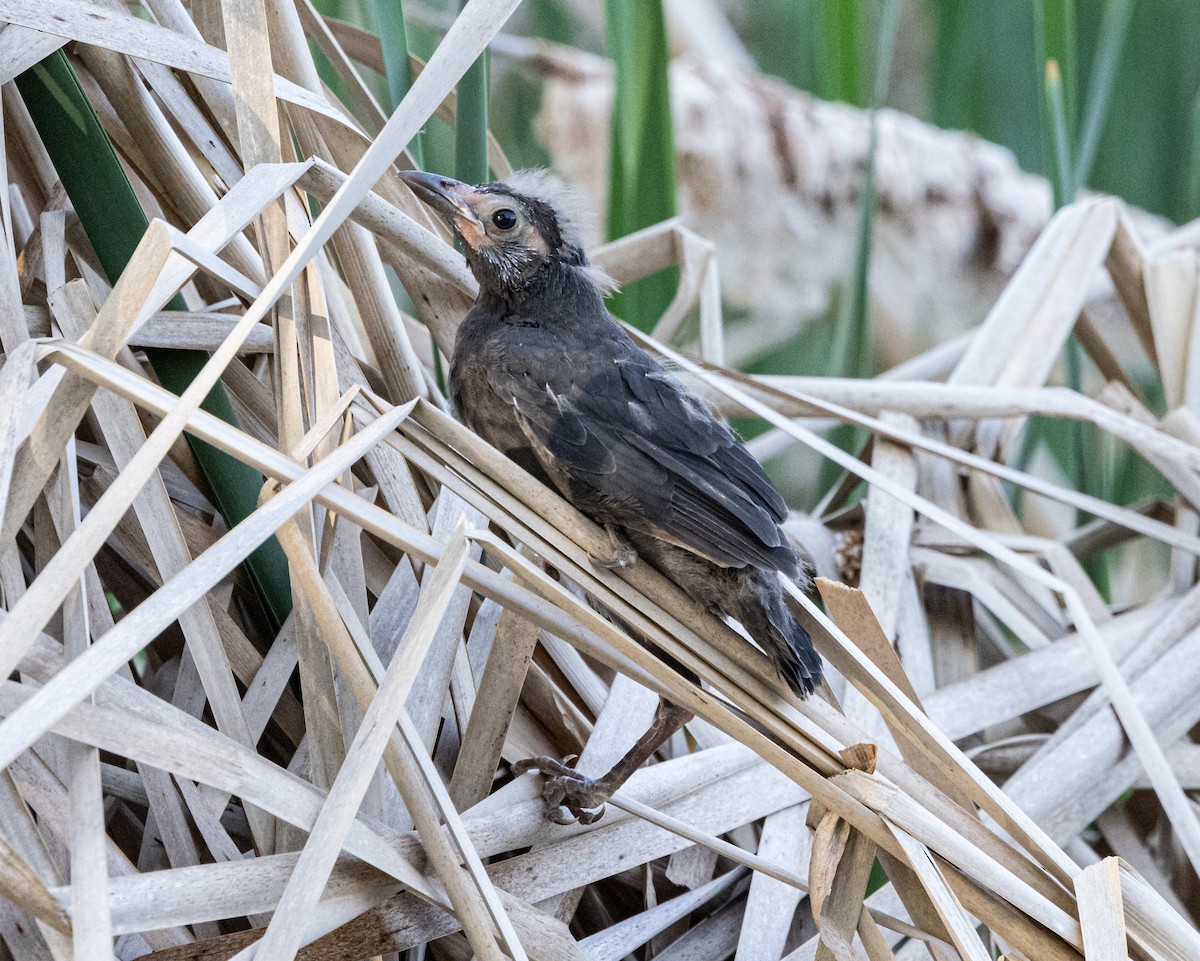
[543, 372]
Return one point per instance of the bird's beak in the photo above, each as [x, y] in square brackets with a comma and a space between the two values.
[449, 198]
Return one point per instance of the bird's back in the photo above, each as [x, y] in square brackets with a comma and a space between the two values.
[567, 390]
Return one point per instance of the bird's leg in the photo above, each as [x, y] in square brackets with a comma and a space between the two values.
[571, 796]
[623, 554]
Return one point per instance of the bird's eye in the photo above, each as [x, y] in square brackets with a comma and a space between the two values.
[504, 219]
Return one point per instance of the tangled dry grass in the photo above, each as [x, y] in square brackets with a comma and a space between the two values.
[177, 774]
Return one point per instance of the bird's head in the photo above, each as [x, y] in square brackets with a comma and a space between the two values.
[510, 231]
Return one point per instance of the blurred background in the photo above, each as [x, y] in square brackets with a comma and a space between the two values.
[847, 245]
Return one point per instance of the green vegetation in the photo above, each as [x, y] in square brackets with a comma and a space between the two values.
[110, 213]
[642, 155]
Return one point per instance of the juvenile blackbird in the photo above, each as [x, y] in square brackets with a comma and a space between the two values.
[543, 372]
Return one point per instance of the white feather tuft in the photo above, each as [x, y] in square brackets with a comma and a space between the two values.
[597, 275]
[575, 218]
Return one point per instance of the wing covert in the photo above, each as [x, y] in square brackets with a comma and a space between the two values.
[630, 446]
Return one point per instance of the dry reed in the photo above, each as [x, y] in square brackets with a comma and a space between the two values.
[361, 753]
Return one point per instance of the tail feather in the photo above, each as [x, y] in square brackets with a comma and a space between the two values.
[765, 615]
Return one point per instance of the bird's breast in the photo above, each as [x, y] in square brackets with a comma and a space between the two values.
[490, 416]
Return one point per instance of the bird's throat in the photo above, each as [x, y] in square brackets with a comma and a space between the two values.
[555, 287]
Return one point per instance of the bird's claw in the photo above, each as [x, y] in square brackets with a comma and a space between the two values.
[623, 555]
[569, 796]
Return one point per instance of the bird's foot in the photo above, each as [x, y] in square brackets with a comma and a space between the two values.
[569, 796]
[623, 554]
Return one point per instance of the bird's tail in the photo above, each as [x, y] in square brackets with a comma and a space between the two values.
[765, 615]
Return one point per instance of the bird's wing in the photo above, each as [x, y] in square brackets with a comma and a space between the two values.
[635, 447]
